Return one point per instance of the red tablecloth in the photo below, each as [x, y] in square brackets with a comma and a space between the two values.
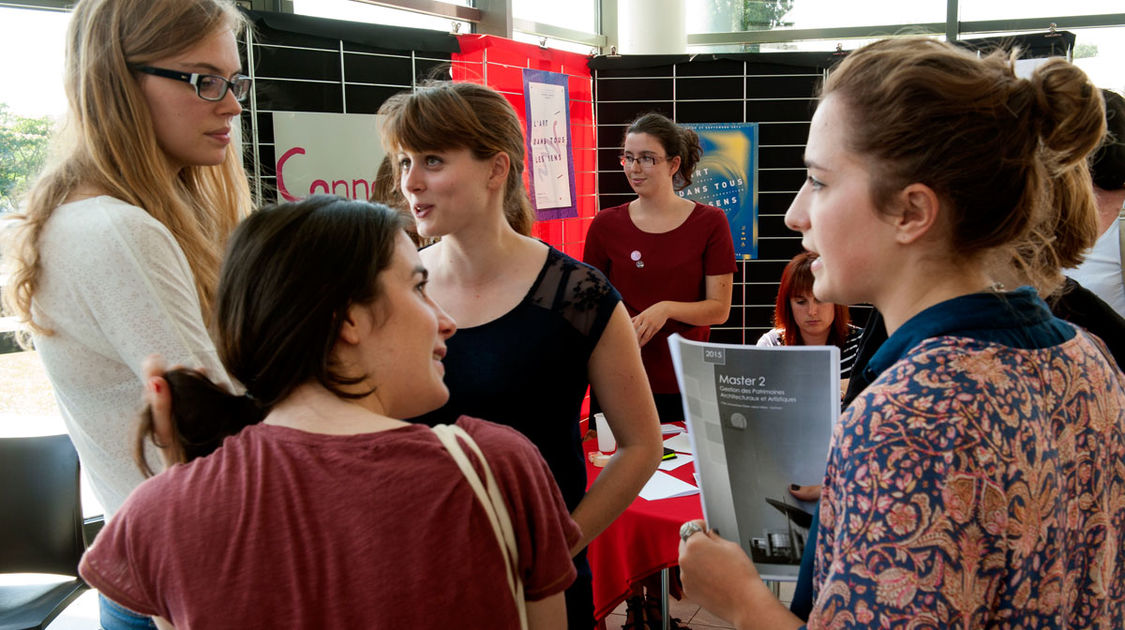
[642, 541]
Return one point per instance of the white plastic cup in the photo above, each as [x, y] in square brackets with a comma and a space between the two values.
[606, 441]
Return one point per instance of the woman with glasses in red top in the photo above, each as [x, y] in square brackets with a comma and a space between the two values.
[672, 260]
[116, 254]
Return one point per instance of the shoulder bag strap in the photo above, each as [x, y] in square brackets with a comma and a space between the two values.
[488, 493]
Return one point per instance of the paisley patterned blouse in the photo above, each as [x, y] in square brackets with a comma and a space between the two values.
[978, 484]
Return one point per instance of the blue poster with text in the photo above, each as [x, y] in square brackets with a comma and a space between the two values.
[727, 178]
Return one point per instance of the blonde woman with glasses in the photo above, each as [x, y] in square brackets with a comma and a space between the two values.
[116, 254]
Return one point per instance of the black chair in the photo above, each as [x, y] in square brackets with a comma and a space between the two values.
[41, 528]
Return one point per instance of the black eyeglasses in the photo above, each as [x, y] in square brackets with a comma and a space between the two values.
[209, 87]
[646, 160]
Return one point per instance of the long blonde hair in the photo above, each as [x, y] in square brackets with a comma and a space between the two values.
[109, 143]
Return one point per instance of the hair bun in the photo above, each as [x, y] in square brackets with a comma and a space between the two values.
[1071, 110]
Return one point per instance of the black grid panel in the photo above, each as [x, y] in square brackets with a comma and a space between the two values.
[302, 64]
[757, 88]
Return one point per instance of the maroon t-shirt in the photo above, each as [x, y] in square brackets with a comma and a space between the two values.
[648, 268]
[281, 528]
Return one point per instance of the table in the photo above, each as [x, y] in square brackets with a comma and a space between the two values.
[643, 540]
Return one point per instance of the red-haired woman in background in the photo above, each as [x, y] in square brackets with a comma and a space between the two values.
[800, 319]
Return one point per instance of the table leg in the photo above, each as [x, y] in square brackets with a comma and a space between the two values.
[664, 584]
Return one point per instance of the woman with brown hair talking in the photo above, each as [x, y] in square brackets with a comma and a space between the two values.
[536, 326]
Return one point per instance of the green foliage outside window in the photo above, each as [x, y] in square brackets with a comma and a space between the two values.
[763, 15]
[23, 152]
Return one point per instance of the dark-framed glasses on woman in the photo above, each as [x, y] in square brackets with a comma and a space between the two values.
[646, 160]
[209, 87]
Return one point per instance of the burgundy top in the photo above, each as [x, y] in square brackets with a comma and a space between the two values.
[648, 268]
[281, 528]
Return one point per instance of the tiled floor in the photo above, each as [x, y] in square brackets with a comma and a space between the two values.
[82, 614]
[691, 614]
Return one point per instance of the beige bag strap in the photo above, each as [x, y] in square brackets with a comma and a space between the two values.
[490, 497]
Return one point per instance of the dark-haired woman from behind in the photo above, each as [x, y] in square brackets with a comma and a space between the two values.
[800, 319]
[322, 509]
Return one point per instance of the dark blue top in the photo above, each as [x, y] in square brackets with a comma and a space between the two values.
[1017, 319]
[527, 368]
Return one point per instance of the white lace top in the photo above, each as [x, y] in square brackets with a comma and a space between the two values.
[115, 287]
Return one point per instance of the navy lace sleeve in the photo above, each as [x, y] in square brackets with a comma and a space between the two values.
[577, 292]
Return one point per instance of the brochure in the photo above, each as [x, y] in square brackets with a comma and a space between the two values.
[759, 419]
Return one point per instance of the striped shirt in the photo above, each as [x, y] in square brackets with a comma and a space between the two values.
[848, 349]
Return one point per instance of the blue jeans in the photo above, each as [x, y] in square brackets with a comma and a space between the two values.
[114, 617]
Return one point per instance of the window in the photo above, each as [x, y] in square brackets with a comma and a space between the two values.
[804, 45]
[1098, 51]
[360, 12]
[576, 15]
[722, 16]
[971, 10]
[32, 45]
[557, 44]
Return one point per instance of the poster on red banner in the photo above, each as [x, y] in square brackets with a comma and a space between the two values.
[549, 150]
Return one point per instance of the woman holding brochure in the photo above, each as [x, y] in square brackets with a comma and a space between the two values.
[976, 482]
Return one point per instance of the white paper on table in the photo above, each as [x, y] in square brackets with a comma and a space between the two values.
[670, 429]
[676, 462]
[665, 486]
[680, 443]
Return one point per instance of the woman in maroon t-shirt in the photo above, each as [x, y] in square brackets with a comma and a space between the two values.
[308, 502]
